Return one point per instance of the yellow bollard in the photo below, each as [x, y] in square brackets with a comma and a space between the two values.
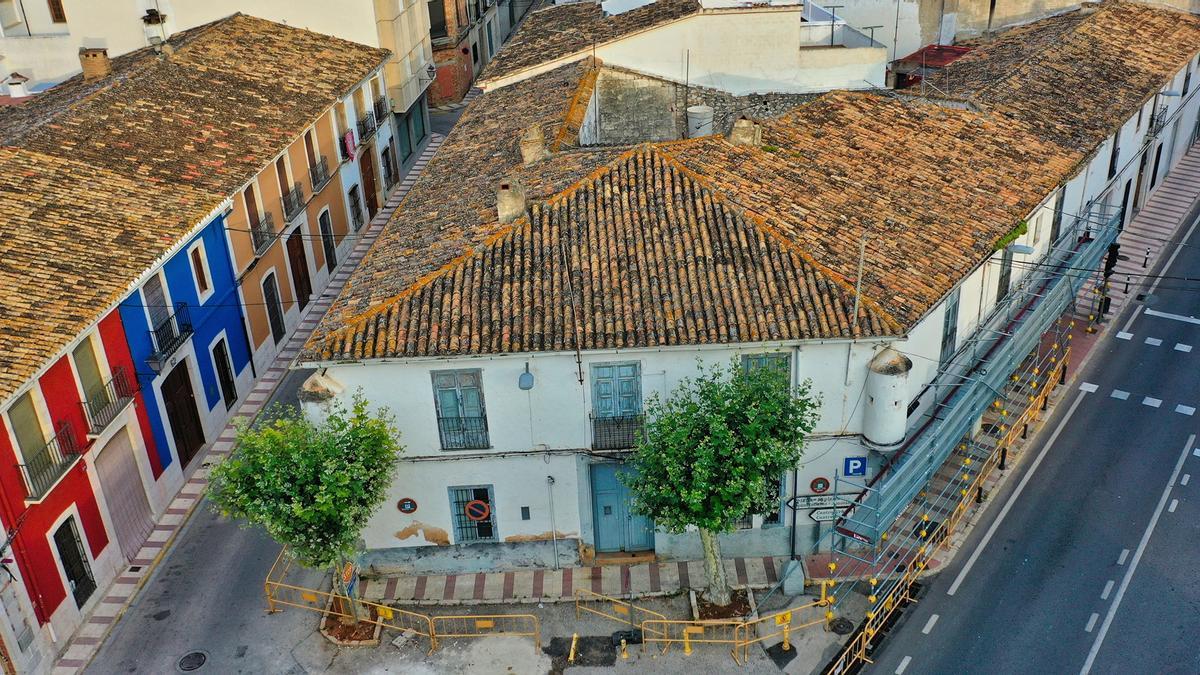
[687, 643]
[624, 649]
[787, 641]
[574, 645]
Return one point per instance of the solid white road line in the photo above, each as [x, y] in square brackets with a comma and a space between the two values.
[1185, 479]
[1091, 622]
[1123, 557]
[1137, 557]
[903, 665]
[1180, 347]
[1120, 395]
[1173, 317]
[1122, 335]
[1153, 342]
[1151, 401]
[1107, 590]
[1013, 498]
[1173, 506]
[929, 624]
[1185, 410]
[1158, 279]
[1088, 387]
[1137, 311]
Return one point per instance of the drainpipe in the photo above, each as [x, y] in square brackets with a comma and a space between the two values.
[553, 530]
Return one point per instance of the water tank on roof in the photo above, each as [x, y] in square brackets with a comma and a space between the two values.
[885, 416]
[699, 121]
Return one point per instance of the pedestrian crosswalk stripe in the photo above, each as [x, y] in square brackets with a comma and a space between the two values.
[1185, 409]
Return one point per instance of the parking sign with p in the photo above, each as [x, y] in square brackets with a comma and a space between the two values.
[854, 466]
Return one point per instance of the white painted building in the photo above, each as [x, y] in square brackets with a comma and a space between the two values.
[537, 434]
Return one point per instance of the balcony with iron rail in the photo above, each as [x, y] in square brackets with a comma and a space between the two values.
[356, 214]
[108, 400]
[345, 147]
[1158, 120]
[263, 233]
[168, 336]
[382, 107]
[463, 433]
[366, 127]
[318, 174]
[617, 433]
[293, 202]
[43, 468]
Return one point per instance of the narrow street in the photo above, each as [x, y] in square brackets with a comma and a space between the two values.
[1085, 560]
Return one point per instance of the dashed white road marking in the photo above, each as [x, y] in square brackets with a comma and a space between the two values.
[1174, 505]
[1088, 387]
[1176, 317]
[1185, 479]
[1124, 336]
[1107, 590]
[1151, 401]
[1120, 395]
[1092, 622]
[1180, 347]
[1153, 342]
[929, 624]
[1123, 556]
[1196, 452]
[903, 665]
[1185, 410]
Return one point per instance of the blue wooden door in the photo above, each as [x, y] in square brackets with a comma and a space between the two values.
[617, 527]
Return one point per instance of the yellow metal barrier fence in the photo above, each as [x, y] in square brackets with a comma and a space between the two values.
[688, 633]
[486, 625]
[611, 608]
[334, 604]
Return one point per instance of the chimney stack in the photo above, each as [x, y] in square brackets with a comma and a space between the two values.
[745, 132]
[95, 63]
[16, 85]
[510, 200]
[533, 145]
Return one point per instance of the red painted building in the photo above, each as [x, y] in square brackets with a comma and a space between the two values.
[74, 469]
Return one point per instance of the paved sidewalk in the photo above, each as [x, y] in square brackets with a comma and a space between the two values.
[471, 95]
[87, 640]
[619, 581]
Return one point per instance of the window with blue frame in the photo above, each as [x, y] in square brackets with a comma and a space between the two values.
[616, 405]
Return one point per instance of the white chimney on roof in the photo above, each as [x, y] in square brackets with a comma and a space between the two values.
[16, 85]
[510, 200]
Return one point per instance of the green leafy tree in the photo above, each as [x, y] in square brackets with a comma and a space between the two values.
[311, 486]
[713, 453]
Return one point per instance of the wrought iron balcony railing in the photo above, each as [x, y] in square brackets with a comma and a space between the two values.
[263, 233]
[366, 127]
[1158, 120]
[356, 214]
[318, 174]
[108, 400]
[345, 147]
[616, 433]
[45, 466]
[382, 107]
[169, 335]
[293, 202]
[463, 433]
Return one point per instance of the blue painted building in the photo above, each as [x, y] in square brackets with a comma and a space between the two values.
[187, 334]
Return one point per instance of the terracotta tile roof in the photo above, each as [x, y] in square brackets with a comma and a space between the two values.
[1077, 76]
[63, 260]
[640, 254]
[931, 188]
[101, 178]
[558, 31]
[771, 233]
[452, 207]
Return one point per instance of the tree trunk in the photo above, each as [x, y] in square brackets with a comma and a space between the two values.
[718, 585]
[339, 588]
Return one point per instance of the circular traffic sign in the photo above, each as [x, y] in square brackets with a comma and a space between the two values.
[407, 505]
[477, 510]
[819, 484]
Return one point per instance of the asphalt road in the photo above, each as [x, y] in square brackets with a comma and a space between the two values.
[1094, 565]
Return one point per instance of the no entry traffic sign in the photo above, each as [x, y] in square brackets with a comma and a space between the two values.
[477, 510]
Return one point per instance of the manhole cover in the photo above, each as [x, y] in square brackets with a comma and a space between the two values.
[192, 661]
[841, 625]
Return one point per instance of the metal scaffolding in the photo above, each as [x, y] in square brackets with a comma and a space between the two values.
[886, 525]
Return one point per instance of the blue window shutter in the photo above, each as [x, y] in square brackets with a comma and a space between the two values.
[604, 402]
[629, 389]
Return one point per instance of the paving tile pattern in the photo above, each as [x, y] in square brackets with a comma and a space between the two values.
[88, 638]
[546, 585]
